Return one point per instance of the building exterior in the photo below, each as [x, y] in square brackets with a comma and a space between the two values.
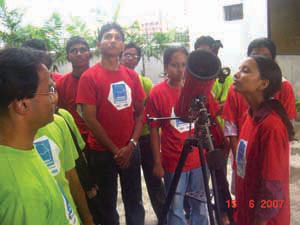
[236, 23]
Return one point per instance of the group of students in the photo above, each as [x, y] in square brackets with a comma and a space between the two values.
[109, 102]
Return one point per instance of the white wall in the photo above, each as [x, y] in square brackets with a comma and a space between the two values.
[207, 18]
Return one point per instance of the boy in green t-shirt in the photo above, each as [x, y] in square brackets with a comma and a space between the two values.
[28, 193]
[57, 149]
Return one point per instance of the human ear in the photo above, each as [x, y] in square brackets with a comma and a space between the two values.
[20, 106]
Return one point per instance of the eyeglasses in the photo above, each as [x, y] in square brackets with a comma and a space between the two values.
[51, 93]
[75, 51]
[131, 56]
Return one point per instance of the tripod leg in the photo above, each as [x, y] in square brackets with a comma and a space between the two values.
[205, 180]
[175, 180]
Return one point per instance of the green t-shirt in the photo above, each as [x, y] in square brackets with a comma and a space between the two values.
[147, 85]
[220, 92]
[28, 193]
[56, 147]
[70, 120]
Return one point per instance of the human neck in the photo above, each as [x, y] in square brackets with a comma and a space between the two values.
[78, 71]
[110, 63]
[17, 137]
[175, 83]
[254, 101]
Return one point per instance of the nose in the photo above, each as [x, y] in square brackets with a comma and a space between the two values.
[237, 75]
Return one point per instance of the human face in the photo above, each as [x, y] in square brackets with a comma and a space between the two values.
[261, 51]
[130, 58]
[247, 80]
[43, 103]
[175, 68]
[79, 55]
[111, 44]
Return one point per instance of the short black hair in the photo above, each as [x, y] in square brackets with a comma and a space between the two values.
[137, 48]
[262, 43]
[35, 44]
[109, 26]
[168, 53]
[18, 75]
[76, 40]
[40, 45]
[204, 40]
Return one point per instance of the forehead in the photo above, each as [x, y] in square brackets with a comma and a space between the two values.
[262, 51]
[131, 50]
[44, 75]
[178, 56]
[249, 62]
[112, 32]
[78, 45]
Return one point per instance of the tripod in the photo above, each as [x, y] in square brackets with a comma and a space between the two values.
[215, 160]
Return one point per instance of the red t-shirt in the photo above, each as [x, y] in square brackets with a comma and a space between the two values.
[262, 174]
[56, 77]
[160, 103]
[114, 94]
[236, 106]
[67, 91]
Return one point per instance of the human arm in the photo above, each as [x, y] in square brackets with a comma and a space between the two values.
[274, 177]
[79, 197]
[123, 156]
[155, 144]
[89, 116]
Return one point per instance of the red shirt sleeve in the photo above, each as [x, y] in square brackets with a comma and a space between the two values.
[275, 170]
[287, 99]
[59, 88]
[230, 107]
[87, 90]
[152, 109]
[138, 93]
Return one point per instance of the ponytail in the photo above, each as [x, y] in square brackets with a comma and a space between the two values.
[276, 106]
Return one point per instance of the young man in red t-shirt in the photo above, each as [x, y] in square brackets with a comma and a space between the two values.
[78, 54]
[111, 99]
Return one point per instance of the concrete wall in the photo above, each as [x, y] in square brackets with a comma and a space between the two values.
[207, 18]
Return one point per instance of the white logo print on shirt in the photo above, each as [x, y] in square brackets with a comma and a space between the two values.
[179, 125]
[120, 95]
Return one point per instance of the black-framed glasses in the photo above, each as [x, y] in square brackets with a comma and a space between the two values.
[131, 56]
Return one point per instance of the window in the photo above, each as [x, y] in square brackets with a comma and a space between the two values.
[233, 12]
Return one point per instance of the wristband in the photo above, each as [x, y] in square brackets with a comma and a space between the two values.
[133, 142]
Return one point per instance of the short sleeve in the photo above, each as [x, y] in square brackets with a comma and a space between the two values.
[87, 90]
[152, 109]
[275, 170]
[275, 145]
[287, 99]
[230, 107]
[138, 92]
[70, 120]
[59, 88]
[69, 149]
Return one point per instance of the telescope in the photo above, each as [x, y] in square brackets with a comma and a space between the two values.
[202, 68]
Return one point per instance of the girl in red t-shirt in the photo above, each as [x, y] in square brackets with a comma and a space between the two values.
[167, 145]
[262, 158]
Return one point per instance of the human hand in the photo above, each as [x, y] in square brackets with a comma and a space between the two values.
[123, 156]
[92, 193]
[158, 170]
